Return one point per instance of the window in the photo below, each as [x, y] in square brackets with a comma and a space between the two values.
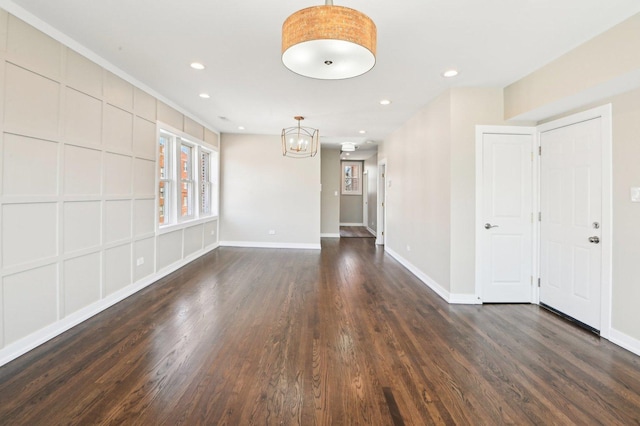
[164, 161]
[187, 186]
[206, 185]
[351, 178]
[186, 181]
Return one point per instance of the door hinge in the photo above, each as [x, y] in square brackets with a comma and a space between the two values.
[538, 282]
[540, 150]
[383, 175]
[532, 156]
[531, 217]
[382, 204]
[531, 279]
[539, 216]
[382, 232]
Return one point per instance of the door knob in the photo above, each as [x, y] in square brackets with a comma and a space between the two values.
[489, 226]
[594, 240]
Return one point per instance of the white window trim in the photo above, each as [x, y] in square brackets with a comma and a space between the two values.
[360, 166]
[175, 221]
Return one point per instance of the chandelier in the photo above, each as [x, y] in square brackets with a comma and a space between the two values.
[299, 142]
[329, 42]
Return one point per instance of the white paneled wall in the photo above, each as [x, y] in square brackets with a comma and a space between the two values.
[78, 187]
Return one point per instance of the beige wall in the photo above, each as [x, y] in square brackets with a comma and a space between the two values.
[608, 63]
[78, 182]
[626, 215]
[371, 167]
[469, 107]
[351, 209]
[262, 191]
[418, 190]
[351, 205]
[431, 200]
[330, 201]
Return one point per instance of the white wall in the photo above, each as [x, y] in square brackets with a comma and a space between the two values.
[77, 179]
[263, 191]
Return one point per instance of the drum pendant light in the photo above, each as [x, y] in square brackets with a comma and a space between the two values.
[329, 42]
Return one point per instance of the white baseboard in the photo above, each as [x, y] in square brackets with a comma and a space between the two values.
[624, 340]
[329, 235]
[252, 244]
[374, 233]
[352, 224]
[27, 343]
[464, 299]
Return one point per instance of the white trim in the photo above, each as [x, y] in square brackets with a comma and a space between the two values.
[467, 299]
[180, 138]
[624, 340]
[479, 260]
[24, 345]
[360, 168]
[605, 113]
[372, 232]
[255, 244]
[464, 299]
[330, 235]
[365, 196]
[352, 224]
[382, 203]
[69, 42]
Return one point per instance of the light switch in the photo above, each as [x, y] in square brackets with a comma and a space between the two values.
[635, 194]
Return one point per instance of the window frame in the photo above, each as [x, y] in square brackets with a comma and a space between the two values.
[187, 178]
[174, 178]
[357, 165]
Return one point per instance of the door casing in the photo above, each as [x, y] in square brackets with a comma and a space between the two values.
[605, 113]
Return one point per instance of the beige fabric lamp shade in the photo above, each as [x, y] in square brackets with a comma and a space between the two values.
[329, 42]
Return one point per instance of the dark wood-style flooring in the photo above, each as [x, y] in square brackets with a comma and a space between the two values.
[344, 336]
[355, 232]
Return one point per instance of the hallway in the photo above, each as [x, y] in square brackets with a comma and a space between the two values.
[340, 336]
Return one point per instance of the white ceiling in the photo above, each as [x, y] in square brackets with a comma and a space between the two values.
[492, 42]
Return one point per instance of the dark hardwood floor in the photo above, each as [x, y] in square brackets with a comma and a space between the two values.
[339, 337]
[355, 232]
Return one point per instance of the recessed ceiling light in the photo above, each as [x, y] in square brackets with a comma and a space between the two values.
[362, 132]
[385, 102]
[204, 95]
[240, 127]
[197, 66]
[450, 73]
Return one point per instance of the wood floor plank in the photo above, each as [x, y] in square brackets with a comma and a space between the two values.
[337, 337]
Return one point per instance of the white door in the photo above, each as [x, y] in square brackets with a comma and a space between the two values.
[506, 234]
[570, 229]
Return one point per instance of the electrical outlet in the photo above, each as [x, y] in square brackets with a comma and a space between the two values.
[408, 248]
[272, 232]
[139, 261]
